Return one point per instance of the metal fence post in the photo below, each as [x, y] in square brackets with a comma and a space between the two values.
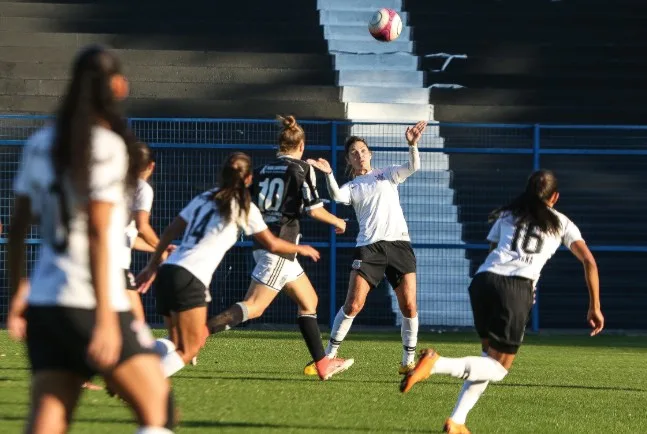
[333, 236]
[536, 146]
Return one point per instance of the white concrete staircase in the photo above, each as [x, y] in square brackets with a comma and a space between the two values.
[380, 82]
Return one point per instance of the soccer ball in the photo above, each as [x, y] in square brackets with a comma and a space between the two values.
[385, 25]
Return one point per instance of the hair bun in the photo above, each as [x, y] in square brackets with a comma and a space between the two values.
[288, 122]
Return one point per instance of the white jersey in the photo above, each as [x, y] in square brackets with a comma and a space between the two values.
[142, 201]
[376, 201]
[523, 251]
[62, 276]
[207, 237]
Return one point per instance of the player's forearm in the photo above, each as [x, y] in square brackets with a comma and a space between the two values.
[171, 232]
[147, 233]
[413, 165]
[143, 246]
[593, 283]
[321, 214]
[334, 191]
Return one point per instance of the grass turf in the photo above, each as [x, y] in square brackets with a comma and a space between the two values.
[250, 381]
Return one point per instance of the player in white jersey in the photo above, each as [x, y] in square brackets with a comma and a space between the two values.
[525, 234]
[211, 224]
[73, 181]
[383, 243]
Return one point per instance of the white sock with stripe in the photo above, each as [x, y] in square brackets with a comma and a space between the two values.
[340, 328]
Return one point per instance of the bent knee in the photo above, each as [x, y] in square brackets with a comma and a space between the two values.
[352, 309]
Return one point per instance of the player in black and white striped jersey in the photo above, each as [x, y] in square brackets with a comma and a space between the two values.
[74, 180]
[211, 224]
[285, 189]
[383, 242]
[525, 235]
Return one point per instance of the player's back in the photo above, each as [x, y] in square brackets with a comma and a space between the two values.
[523, 249]
[62, 273]
[278, 191]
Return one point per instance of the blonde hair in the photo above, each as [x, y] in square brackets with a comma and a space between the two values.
[291, 134]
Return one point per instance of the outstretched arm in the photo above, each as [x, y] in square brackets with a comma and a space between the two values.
[412, 135]
[341, 195]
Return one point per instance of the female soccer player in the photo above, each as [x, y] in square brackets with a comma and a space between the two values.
[210, 223]
[525, 234]
[139, 233]
[74, 180]
[284, 189]
[383, 243]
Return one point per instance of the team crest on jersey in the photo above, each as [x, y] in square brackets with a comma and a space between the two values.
[356, 264]
[380, 177]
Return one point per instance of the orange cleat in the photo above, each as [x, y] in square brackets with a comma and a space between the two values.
[452, 427]
[421, 372]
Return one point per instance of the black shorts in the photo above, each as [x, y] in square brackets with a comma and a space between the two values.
[392, 259]
[177, 289]
[58, 338]
[130, 280]
[501, 307]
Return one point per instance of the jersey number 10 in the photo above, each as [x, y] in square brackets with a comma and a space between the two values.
[271, 195]
[530, 233]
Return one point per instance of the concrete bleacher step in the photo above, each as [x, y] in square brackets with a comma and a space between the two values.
[388, 112]
[292, 43]
[351, 17]
[440, 295]
[356, 32]
[352, 5]
[190, 74]
[64, 55]
[442, 316]
[380, 130]
[173, 107]
[379, 78]
[436, 232]
[404, 95]
[183, 90]
[376, 47]
[396, 61]
[429, 161]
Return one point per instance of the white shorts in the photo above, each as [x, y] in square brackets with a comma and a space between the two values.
[274, 271]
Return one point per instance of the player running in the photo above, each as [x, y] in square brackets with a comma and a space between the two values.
[525, 234]
[210, 223]
[285, 189]
[74, 180]
[383, 243]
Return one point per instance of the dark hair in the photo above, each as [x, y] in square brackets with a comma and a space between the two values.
[349, 142]
[236, 168]
[89, 99]
[145, 156]
[529, 208]
[291, 134]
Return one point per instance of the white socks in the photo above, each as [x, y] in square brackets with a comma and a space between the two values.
[172, 363]
[163, 346]
[470, 368]
[340, 329]
[467, 398]
[153, 430]
[409, 333]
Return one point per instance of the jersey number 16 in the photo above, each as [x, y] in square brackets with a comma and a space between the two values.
[530, 233]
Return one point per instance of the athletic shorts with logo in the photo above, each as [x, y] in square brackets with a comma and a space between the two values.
[58, 338]
[390, 259]
[274, 271]
[177, 289]
[501, 306]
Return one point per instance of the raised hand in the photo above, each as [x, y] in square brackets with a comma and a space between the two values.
[320, 164]
[414, 133]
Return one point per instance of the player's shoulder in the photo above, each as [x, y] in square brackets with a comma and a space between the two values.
[107, 146]
[563, 219]
[144, 186]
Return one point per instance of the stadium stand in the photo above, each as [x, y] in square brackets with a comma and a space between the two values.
[212, 59]
[562, 62]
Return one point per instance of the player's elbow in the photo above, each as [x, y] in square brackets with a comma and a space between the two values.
[313, 212]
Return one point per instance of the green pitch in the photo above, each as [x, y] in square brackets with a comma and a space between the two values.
[251, 382]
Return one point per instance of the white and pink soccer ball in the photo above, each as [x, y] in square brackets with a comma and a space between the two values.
[385, 25]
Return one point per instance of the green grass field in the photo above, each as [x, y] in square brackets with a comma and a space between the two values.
[248, 381]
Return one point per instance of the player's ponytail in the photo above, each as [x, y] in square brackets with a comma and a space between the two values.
[233, 194]
[89, 100]
[530, 208]
[291, 135]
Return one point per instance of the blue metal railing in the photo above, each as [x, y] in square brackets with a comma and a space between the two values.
[533, 141]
